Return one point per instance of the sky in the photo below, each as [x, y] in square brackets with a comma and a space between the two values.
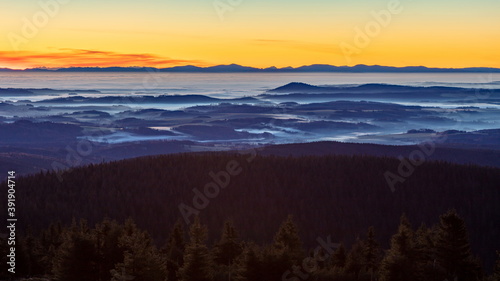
[258, 33]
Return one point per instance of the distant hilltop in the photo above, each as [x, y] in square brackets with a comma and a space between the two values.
[235, 68]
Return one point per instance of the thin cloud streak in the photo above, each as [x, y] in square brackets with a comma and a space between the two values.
[66, 57]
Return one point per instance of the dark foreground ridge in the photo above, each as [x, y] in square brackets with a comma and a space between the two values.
[339, 196]
[36, 158]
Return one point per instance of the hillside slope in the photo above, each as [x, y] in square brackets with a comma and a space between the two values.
[329, 195]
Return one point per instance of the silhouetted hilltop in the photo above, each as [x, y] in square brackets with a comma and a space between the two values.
[303, 87]
[297, 86]
[171, 99]
[457, 153]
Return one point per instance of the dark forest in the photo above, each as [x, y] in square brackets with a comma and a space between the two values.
[224, 216]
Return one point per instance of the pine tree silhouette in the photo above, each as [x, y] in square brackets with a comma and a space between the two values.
[371, 253]
[226, 251]
[339, 257]
[453, 249]
[228, 247]
[356, 260]
[425, 255]
[141, 258]
[198, 265]
[399, 261]
[76, 258]
[107, 238]
[287, 241]
[250, 265]
[173, 251]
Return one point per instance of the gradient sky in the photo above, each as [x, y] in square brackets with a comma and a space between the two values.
[259, 33]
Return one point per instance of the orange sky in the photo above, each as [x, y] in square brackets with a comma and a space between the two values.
[256, 33]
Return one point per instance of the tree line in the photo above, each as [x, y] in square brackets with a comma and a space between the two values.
[122, 251]
[341, 196]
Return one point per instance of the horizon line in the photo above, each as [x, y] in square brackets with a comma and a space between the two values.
[248, 68]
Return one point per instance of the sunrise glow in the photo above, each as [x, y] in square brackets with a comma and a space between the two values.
[51, 33]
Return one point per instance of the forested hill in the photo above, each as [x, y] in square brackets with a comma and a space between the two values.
[477, 154]
[339, 196]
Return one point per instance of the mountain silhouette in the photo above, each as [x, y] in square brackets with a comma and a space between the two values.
[235, 68]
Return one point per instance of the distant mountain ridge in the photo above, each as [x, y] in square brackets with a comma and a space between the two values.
[235, 68]
[308, 88]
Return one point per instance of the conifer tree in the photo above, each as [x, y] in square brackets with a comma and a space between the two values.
[275, 262]
[29, 255]
[371, 255]
[285, 252]
[76, 258]
[321, 258]
[141, 260]
[226, 251]
[107, 237]
[197, 262]
[425, 255]
[287, 241]
[228, 248]
[51, 239]
[173, 251]
[339, 257]
[453, 249]
[355, 262]
[399, 261]
[250, 265]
